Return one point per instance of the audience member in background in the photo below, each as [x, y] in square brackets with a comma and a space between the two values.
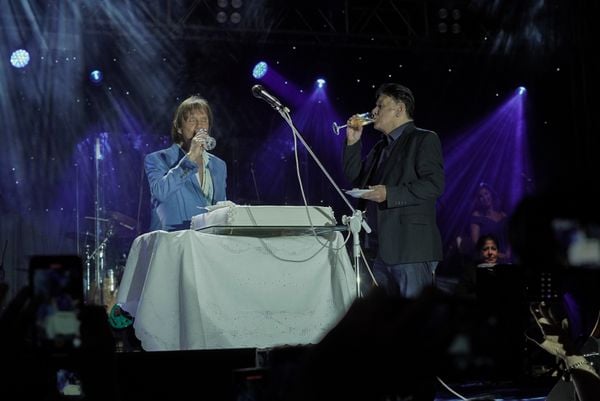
[29, 373]
[185, 177]
[487, 256]
[384, 348]
[488, 218]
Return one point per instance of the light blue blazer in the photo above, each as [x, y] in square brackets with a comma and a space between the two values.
[175, 193]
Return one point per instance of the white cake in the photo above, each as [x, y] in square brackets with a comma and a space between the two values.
[264, 216]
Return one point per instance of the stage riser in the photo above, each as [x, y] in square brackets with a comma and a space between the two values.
[181, 375]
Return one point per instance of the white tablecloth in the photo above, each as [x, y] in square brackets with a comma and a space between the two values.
[191, 290]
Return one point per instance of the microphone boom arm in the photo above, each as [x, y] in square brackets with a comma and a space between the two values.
[287, 118]
[354, 222]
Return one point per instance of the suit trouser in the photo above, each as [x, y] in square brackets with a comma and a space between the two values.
[404, 279]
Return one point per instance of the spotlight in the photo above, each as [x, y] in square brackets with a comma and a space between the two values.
[235, 17]
[321, 82]
[19, 58]
[221, 17]
[448, 20]
[521, 90]
[260, 70]
[96, 77]
[224, 16]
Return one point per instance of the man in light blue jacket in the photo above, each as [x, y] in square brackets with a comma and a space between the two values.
[185, 177]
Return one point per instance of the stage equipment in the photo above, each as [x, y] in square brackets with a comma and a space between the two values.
[355, 121]
[20, 58]
[259, 92]
[102, 255]
[260, 70]
[104, 262]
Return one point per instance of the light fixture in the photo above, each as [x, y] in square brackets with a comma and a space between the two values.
[96, 77]
[19, 58]
[260, 70]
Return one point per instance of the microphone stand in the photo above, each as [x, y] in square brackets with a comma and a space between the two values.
[254, 182]
[354, 222]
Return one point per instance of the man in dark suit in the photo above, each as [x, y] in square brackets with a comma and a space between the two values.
[406, 174]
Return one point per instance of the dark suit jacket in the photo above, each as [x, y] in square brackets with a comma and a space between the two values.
[414, 178]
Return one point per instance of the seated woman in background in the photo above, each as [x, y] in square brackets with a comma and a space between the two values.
[487, 256]
[488, 218]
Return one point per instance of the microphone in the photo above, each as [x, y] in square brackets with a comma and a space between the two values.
[261, 93]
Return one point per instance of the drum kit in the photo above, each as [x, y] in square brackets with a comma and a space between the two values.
[104, 255]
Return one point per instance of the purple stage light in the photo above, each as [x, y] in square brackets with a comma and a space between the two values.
[494, 151]
[313, 116]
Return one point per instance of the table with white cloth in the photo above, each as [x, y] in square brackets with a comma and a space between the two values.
[193, 290]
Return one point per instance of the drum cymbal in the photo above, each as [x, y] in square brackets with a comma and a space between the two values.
[123, 232]
[123, 220]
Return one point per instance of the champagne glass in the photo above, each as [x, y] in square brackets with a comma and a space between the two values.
[202, 137]
[355, 121]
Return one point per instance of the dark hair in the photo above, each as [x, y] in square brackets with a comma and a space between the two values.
[481, 241]
[194, 102]
[495, 197]
[399, 93]
[487, 186]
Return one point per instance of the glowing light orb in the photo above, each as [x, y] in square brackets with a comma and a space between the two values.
[19, 58]
[96, 77]
[260, 70]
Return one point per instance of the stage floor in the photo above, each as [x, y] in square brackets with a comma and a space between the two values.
[245, 374]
